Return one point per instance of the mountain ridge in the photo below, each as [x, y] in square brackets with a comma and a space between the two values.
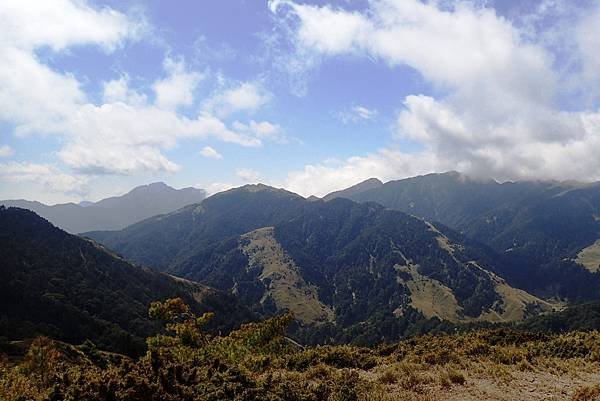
[114, 212]
[338, 264]
[541, 225]
[363, 186]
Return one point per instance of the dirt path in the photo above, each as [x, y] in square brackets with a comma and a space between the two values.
[534, 386]
[557, 381]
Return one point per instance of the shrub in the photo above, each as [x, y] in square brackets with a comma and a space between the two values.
[591, 393]
[456, 377]
[336, 356]
[388, 376]
[440, 357]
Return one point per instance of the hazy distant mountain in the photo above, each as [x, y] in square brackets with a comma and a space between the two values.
[72, 289]
[116, 212]
[549, 229]
[340, 266]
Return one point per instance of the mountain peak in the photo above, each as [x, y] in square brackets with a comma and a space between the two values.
[152, 188]
[253, 188]
[158, 184]
[258, 187]
[116, 212]
[363, 186]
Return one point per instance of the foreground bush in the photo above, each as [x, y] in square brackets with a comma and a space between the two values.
[258, 362]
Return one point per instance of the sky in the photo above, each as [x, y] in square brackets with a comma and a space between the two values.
[99, 96]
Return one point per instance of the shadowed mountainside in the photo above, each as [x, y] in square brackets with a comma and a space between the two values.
[542, 227]
[73, 289]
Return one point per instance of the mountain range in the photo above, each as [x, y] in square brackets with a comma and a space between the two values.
[348, 271]
[548, 230]
[116, 212]
[372, 263]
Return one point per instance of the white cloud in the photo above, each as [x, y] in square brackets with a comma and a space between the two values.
[588, 42]
[33, 96]
[49, 177]
[323, 178]
[262, 130]
[326, 29]
[498, 116]
[216, 187]
[178, 88]
[464, 47]
[29, 24]
[121, 139]
[211, 153]
[118, 90]
[125, 134]
[364, 113]
[356, 114]
[247, 97]
[248, 175]
[6, 151]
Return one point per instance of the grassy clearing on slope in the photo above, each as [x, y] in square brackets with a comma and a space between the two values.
[285, 283]
[430, 297]
[590, 257]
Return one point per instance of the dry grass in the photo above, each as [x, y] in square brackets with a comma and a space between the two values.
[286, 286]
[591, 393]
[590, 257]
[500, 365]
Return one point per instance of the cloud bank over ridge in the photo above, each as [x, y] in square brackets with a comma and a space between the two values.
[499, 115]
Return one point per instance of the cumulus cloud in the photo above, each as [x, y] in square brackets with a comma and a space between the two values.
[28, 24]
[6, 151]
[121, 139]
[127, 133]
[466, 46]
[33, 96]
[216, 187]
[247, 97]
[49, 177]
[178, 88]
[118, 90]
[262, 130]
[498, 116]
[248, 175]
[211, 153]
[331, 175]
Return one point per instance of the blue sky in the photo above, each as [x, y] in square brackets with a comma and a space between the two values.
[99, 96]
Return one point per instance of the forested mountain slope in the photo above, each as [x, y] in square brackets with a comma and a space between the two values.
[542, 226]
[73, 289]
[349, 269]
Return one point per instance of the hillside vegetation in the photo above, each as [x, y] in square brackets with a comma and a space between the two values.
[257, 362]
[349, 272]
[72, 289]
[546, 231]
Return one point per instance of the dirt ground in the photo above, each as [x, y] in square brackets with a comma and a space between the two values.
[534, 386]
[488, 381]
